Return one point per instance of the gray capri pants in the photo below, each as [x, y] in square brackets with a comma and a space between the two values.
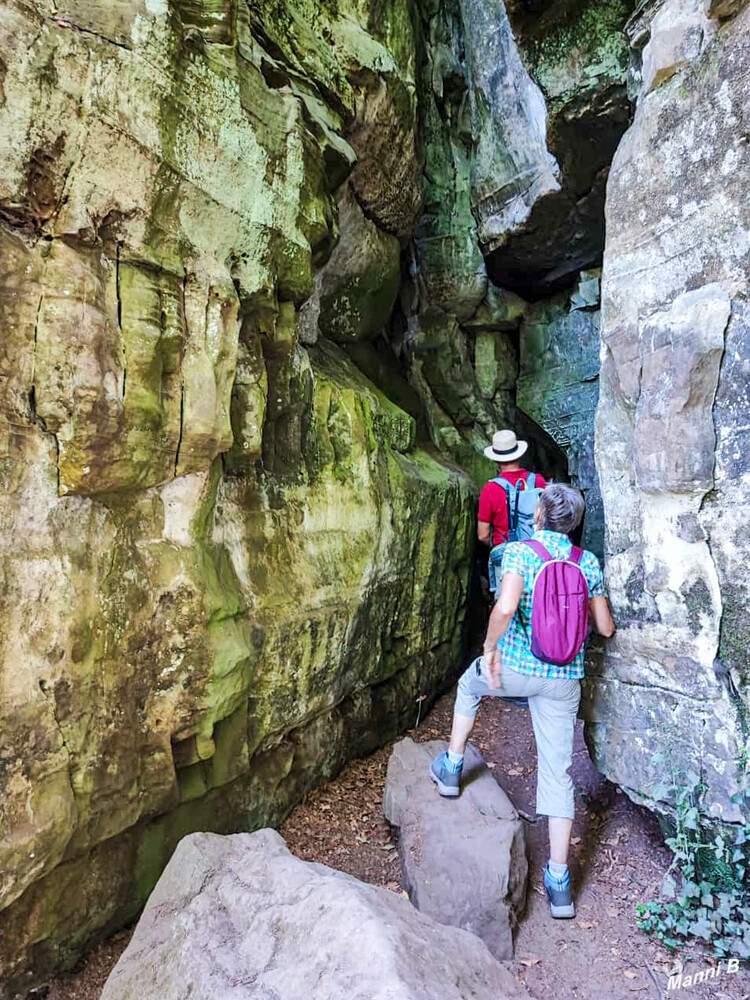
[553, 703]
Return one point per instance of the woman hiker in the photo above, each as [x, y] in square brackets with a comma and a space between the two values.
[554, 625]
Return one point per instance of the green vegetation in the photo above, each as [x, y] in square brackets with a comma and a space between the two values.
[705, 894]
[584, 41]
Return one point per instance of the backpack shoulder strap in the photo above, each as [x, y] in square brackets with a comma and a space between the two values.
[538, 548]
[508, 489]
[502, 482]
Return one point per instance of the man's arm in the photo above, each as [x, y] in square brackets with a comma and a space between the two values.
[602, 617]
[486, 515]
[502, 614]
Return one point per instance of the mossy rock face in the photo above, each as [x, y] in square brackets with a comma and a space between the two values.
[227, 563]
[537, 196]
[358, 286]
[206, 622]
[558, 385]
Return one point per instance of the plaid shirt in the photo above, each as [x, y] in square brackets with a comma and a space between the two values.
[515, 646]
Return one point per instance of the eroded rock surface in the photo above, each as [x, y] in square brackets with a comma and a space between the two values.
[464, 859]
[558, 385]
[575, 55]
[227, 563]
[671, 430]
[240, 916]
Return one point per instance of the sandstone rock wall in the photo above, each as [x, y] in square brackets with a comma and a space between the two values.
[227, 563]
[574, 57]
[271, 275]
[522, 112]
[672, 445]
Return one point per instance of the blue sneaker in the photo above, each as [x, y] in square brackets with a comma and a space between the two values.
[446, 776]
[560, 895]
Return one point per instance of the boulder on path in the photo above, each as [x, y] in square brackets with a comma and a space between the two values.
[463, 859]
[239, 917]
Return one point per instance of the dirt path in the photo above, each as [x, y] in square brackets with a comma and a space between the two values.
[618, 860]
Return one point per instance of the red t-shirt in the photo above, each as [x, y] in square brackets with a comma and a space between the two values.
[493, 503]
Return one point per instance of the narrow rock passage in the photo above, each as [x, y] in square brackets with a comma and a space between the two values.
[618, 860]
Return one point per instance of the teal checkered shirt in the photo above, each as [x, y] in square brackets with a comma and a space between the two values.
[515, 645]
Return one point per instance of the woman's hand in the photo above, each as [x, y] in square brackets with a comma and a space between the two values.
[494, 667]
[500, 618]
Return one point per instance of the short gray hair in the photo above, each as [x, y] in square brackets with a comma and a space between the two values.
[561, 508]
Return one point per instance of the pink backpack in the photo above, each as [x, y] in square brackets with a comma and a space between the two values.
[560, 607]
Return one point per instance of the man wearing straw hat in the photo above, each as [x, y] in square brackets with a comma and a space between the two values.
[507, 502]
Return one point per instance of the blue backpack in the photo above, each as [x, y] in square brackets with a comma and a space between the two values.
[522, 499]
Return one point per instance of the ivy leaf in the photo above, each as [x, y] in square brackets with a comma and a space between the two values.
[690, 890]
[691, 819]
[703, 929]
[668, 887]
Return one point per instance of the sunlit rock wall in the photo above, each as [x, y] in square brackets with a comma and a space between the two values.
[227, 563]
[672, 440]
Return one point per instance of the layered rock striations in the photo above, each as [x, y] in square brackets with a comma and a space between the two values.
[561, 113]
[672, 449]
[227, 562]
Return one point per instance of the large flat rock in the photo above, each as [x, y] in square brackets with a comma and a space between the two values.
[238, 917]
[463, 859]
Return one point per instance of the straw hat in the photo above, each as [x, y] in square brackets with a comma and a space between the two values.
[505, 447]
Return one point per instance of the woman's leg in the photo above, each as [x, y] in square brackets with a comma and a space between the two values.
[472, 687]
[553, 714]
[559, 838]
